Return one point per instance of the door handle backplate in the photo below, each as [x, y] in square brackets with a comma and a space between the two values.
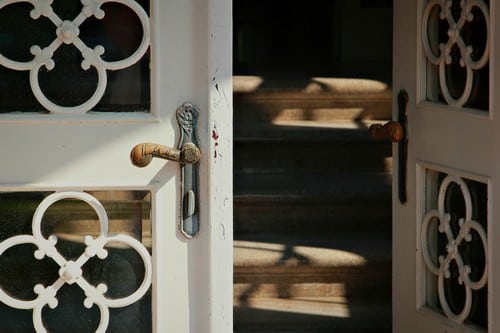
[188, 155]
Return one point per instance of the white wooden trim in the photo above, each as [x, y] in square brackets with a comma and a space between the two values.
[220, 156]
[493, 195]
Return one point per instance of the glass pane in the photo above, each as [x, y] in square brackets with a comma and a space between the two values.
[454, 247]
[456, 45]
[122, 271]
[120, 33]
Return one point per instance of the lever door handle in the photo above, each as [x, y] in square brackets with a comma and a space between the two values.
[392, 131]
[188, 155]
[143, 153]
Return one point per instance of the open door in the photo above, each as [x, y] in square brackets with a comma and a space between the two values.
[447, 175]
[89, 242]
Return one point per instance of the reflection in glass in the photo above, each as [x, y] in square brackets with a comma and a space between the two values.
[451, 35]
[67, 84]
[71, 220]
[470, 252]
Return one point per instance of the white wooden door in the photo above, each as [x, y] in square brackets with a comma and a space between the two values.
[82, 83]
[446, 236]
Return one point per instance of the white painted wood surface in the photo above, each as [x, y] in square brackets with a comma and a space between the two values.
[450, 139]
[191, 61]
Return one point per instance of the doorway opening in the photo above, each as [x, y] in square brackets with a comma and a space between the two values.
[312, 193]
[326, 38]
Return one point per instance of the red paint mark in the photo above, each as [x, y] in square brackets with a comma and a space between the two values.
[215, 136]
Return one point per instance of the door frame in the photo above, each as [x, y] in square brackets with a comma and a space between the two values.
[219, 185]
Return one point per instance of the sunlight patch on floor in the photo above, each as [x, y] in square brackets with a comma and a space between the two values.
[313, 85]
[318, 306]
[324, 124]
[275, 253]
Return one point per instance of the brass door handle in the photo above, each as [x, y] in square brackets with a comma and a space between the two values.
[143, 153]
[392, 131]
[188, 155]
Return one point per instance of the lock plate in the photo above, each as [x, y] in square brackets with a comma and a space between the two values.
[187, 118]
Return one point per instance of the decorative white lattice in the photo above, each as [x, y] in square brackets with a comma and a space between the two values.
[67, 32]
[442, 270]
[70, 272]
[455, 38]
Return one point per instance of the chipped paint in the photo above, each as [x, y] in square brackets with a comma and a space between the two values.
[222, 232]
[219, 133]
[215, 137]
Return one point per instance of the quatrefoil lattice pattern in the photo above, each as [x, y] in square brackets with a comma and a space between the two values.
[67, 32]
[70, 272]
[442, 268]
[443, 57]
